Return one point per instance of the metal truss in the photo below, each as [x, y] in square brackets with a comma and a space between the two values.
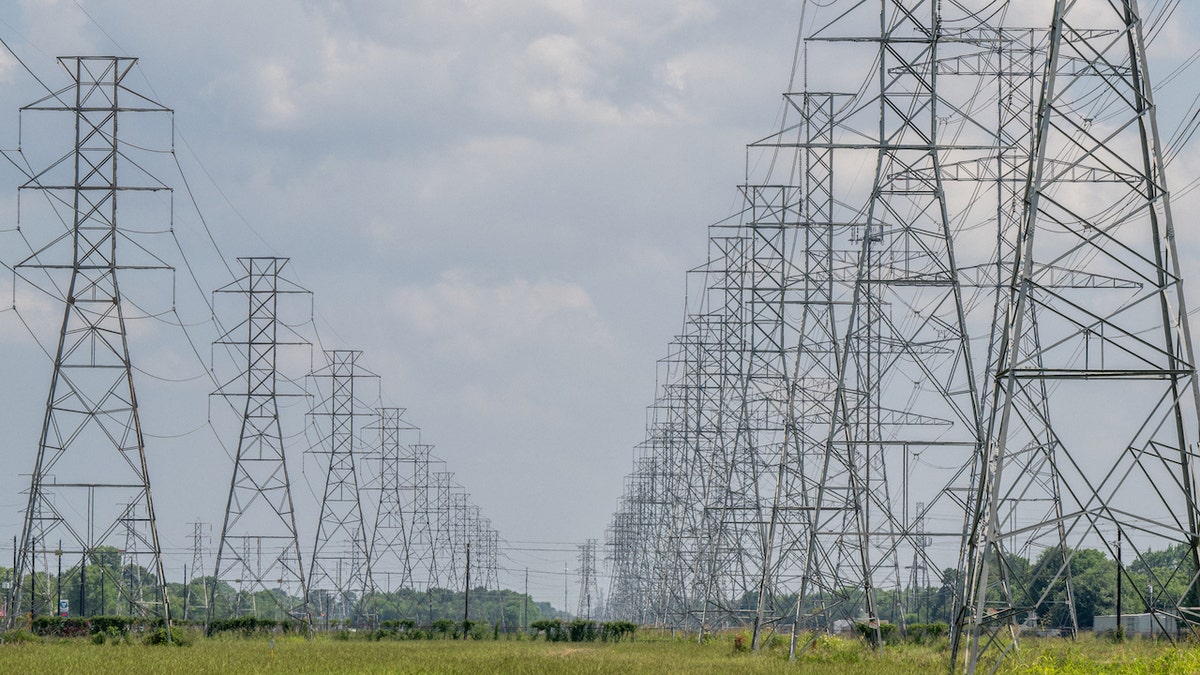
[191, 600]
[1097, 383]
[391, 552]
[90, 486]
[906, 387]
[258, 553]
[823, 423]
[589, 589]
[424, 521]
[340, 581]
[422, 540]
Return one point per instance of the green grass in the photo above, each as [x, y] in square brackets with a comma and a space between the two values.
[828, 656]
[1089, 654]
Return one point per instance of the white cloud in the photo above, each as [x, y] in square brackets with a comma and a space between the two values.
[278, 103]
[468, 319]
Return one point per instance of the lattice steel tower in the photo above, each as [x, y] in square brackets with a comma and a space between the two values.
[1110, 369]
[259, 549]
[391, 549]
[340, 571]
[201, 598]
[589, 590]
[90, 484]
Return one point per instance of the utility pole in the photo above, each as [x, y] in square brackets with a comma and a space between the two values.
[83, 584]
[33, 581]
[13, 589]
[467, 595]
[1120, 571]
[525, 609]
[58, 580]
[186, 591]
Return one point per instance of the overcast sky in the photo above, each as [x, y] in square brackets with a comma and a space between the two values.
[495, 201]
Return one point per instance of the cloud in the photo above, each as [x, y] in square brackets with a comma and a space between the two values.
[468, 319]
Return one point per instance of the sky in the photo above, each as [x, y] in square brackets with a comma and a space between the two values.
[496, 202]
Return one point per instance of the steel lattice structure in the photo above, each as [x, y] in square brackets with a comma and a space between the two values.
[979, 356]
[190, 600]
[259, 548]
[90, 485]
[340, 582]
[90, 494]
[390, 537]
[1110, 371]
[423, 520]
[589, 588]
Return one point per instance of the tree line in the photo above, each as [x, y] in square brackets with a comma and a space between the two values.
[1156, 580]
[106, 586]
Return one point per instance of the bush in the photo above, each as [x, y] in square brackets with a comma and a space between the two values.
[616, 630]
[443, 627]
[553, 628]
[476, 630]
[109, 624]
[402, 629]
[398, 625]
[247, 626]
[582, 630]
[106, 626]
[740, 643]
[867, 630]
[158, 636]
[925, 633]
[18, 637]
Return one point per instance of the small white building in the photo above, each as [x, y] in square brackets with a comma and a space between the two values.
[1143, 625]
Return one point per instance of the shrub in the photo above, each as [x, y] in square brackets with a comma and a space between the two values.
[553, 628]
[109, 624]
[443, 627]
[867, 630]
[582, 630]
[740, 644]
[158, 636]
[616, 630]
[18, 637]
[246, 625]
[925, 633]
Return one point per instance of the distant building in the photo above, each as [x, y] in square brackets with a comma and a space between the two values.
[1144, 625]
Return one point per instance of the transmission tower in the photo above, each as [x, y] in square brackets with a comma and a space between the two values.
[589, 590]
[341, 561]
[422, 540]
[189, 603]
[445, 550]
[460, 530]
[391, 549]
[90, 485]
[259, 549]
[132, 572]
[838, 374]
[1109, 368]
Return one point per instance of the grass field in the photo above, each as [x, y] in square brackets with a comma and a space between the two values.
[324, 655]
